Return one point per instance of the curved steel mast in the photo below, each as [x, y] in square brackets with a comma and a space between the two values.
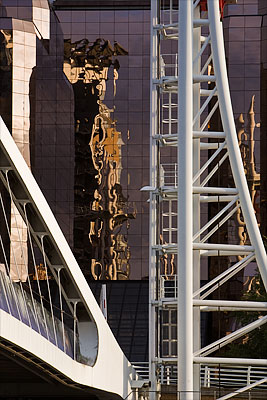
[189, 86]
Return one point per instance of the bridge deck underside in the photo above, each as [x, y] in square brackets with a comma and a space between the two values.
[25, 377]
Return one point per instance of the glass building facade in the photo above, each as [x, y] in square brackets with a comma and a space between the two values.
[114, 214]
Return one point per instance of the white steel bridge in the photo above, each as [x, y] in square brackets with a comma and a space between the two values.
[56, 323]
[69, 338]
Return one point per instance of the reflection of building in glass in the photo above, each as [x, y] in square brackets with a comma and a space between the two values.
[119, 113]
[35, 104]
[247, 145]
[100, 206]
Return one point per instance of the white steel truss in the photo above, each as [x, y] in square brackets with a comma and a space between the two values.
[189, 86]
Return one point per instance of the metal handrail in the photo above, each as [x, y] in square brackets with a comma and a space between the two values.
[168, 286]
[169, 175]
[211, 375]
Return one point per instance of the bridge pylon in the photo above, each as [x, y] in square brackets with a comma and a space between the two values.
[194, 209]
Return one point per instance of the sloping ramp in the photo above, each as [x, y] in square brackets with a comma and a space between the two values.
[71, 339]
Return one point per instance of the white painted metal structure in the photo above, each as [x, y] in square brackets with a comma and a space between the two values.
[187, 87]
[39, 332]
[212, 376]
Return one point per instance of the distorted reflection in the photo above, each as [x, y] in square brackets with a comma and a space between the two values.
[5, 75]
[101, 209]
[247, 147]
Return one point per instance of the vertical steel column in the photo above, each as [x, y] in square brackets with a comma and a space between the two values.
[153, 204]
[185, 220]
[196, 199]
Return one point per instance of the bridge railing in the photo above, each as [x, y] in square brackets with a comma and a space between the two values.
[21, 303]
[212, 376]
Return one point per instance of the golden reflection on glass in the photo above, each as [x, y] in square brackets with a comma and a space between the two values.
[247, 148]
[6, 45]
[101, 208]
